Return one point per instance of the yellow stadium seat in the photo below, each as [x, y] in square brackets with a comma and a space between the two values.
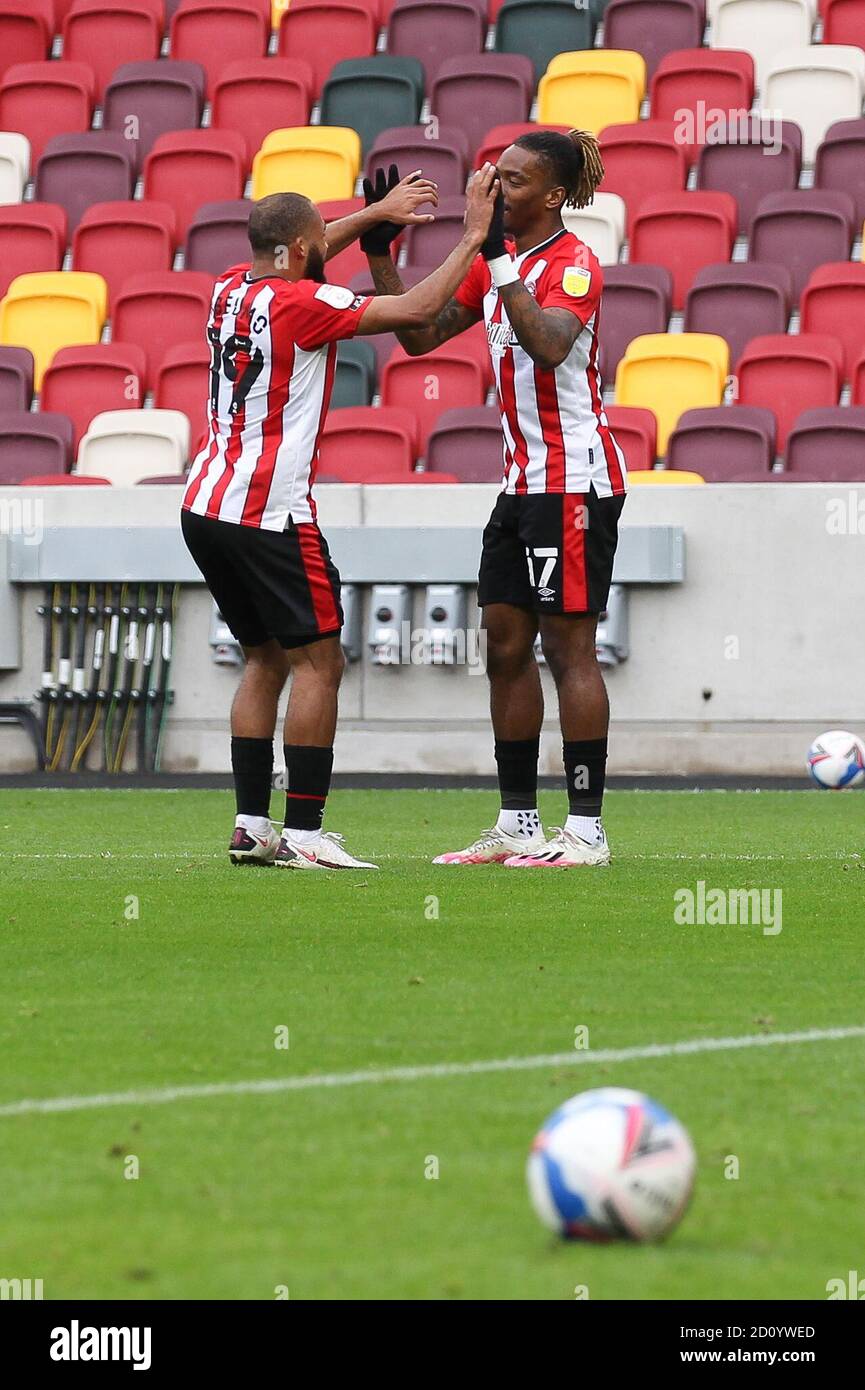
[665, 476]
[51, 310]
[321, 161]
[592, 89]
[669, 373]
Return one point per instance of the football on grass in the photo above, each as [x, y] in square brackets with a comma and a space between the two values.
[836, 760]
[611, 1164]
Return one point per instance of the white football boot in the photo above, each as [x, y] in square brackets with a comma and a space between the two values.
[563, 850]
[250, 847]
[328, 852]
[494, 846]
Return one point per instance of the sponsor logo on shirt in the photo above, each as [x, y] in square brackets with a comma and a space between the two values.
[501, 337]
[337, 296]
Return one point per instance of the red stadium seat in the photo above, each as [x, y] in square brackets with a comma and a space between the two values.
[477, 93]
[159, 310]
[119, 239]
[654, 30]
[191, 167]
[684, 231]
[83, 381]
[44, 99]
[636, 430]
[259, 95]
[844, 22]
[428, 385]
[833, 302]
[362, 441]
[26, 31]
[106, 33]
[217, 33]
[790, 374]
[467, 443]
[702, 80]
[182, 383]
[829, 444]
[637, 299]
[350, 31]
[496, 140]
[32, 237]
[802, 230]
[640, 160]
[723, 441]
[63, 480]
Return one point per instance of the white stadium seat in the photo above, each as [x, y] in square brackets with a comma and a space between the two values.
[816, 86]
[125, 446]
[601, 226]
[712, 7]
[761, 28]
[14, 165]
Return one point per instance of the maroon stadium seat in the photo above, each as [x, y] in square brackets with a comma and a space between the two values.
[841, 162]
[218, 237]
[157, 97]
[120, 239]
[829, 444]
[788, 374]
[434, 30]
[834, 302]
[739, 301]
[158, 310]
[702, 79]
[654, 30]
[497, 139]
[351, 261]
[106, 33]
[476, 93]
[844, 22]
[428, 385]
[44, 99]
[216, 33]
[191, 167]
[33, 443]
[182, 383]
[79, 170]
[751, 167]
[637, 299]
[63, 480]
[32, 237]
[258, 95]
[684, 231]
[26, 31]
[636, 431]
[723, 441]
[362, 440]
[467, 443]
[83, 381]
[350, 29]
[642, 159]
[164, 480]
[444, 160]
[802, 230]
[428, 243]
[16, 378]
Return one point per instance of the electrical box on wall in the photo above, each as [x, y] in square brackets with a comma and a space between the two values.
[444, 625]
[612, 641]
[389, 623]
[352, 639]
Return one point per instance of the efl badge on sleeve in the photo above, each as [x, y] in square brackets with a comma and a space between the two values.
[576, 281]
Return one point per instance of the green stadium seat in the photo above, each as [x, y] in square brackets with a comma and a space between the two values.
[543, 28]
[373, 94]
[354, 382]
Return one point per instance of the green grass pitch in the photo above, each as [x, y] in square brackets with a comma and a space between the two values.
[324, 1191]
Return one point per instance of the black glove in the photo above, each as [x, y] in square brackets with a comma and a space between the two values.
[377, 241]
[494, 243]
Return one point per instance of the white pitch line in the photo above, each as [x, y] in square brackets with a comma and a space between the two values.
[327, 1080]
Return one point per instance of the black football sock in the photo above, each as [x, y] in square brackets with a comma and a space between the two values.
[517, 763]
[585, 773]
[252, 765]
[308, 772]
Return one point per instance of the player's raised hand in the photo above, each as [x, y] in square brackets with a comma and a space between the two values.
[483, 190]
[405, 196]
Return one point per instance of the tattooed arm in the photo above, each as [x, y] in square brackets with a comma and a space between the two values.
[454, 318]
[547, 335]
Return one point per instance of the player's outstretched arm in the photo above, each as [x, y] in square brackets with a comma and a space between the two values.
[395, 202]
[454, 318]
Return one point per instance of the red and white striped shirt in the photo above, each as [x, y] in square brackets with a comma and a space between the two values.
[556, 434]
[274, 354]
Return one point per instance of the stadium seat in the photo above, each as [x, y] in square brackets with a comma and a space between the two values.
[183, 384]
[322, 34]
[444, 159]
[700, 80]
[153, 99]
[841, 162]
[636, 432]
[670, 373]
[14, 166]
[739, 302]
[541, 29]
[321, 161]
[16, 378]
[656, 30]
[844, 22]
[684, 231]
[26, 30]
[476, 93]
[351, 261]
[466, 443]
[164, 480]
[362, 441]
[83, 381]
[107, 33]
[601, 225]
[189, 167]
[667, 477]
[50, 310]
[857, 382]
[497, 140]
[32, 237]
[76, 171]
[125, 446]
[815, 87]
[370, 94]
[428, 243]
[752, 163]
[117, 239]
[723, 441]
[802, 230]
[833, 302]
[637, 300]
[642, 159]
[216, 33]
[829, 444]
[592, 90]
[761, 28]
[355, 377]
[62, 480]
[157, 310]
[33, 443]
[39, 100]
[434, 30]
[427, 385]
[258, 95]
[218, 237]
[790, 374]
